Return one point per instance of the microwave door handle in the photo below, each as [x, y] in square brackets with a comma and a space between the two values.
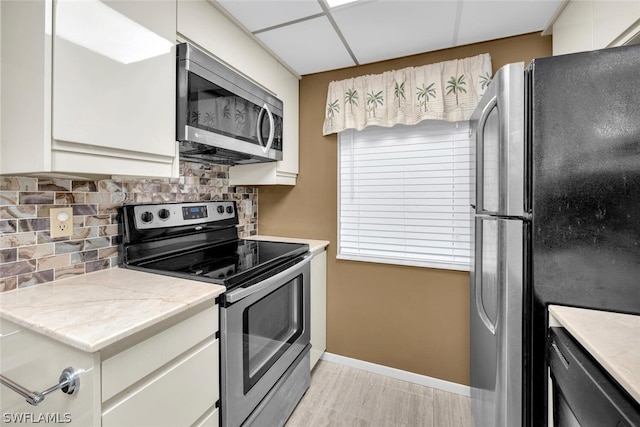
[272, 129]
[479, 205]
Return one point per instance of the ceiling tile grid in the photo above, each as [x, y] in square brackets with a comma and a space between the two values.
[490, 20]
[309, 46]
[260, 14]
[311, 37]
[382, 30]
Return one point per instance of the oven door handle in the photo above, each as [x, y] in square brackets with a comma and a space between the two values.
[238, 294]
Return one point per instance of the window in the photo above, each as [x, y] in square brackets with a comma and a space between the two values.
[404, 195]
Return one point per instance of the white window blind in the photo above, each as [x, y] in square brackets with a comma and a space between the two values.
[404, 195]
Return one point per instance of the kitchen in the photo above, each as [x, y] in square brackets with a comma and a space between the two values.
[356, 293]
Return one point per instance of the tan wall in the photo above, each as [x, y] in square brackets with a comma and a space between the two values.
[415, 319]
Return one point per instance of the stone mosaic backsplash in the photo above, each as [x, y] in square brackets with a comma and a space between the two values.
[28, 254]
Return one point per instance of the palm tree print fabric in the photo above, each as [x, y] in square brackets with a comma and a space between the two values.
[447, 90]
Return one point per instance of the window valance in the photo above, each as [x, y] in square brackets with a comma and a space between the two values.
[447, 90]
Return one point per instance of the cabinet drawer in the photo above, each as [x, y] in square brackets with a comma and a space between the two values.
[191, 384]
[125, 368]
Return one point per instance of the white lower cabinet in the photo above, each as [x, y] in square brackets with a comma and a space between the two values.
[318, 306]
[35, 362]
[177, 395]
[167, 378]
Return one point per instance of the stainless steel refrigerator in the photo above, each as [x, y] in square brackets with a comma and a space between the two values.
[556, 216]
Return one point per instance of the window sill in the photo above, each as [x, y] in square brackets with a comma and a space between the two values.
[405, 262]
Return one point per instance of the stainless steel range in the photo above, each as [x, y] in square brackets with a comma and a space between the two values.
[264, 314]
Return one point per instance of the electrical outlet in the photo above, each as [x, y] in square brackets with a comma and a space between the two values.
[61, 220]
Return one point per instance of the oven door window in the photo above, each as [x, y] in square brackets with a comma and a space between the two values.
[270, 326]
[215, 109]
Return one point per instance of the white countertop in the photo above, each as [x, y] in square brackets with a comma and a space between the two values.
[613, 339]
[95, 310]
[315, 246]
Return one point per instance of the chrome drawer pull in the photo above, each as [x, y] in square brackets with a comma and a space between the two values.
[69, 382]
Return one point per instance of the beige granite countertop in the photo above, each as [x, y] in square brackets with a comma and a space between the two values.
[95, 310]
[613, 339]
[315, 246]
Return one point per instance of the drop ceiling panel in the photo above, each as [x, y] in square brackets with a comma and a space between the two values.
[301, 32]
[256, 15]
[383, 30]
[486, 20]
[308, 47]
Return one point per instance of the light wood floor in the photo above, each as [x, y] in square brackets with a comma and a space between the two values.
[341, 396]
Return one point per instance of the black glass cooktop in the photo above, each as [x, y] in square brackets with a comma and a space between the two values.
[230, 263]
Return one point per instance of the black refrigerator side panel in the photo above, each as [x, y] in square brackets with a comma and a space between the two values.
[586, 179]
[584, 143]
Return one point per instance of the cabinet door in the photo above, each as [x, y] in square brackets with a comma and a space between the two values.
[573, 30]
[590, 25]
[114, 76]
[318, 306]
[36, 362]
[25, 86]
[288, 92]
[612, 19]
[202, 24]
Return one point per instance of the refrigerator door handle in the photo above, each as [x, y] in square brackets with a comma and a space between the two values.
[493, 102]
[482, 312]
[479, 280]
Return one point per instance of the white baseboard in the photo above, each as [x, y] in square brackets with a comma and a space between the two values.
[398, 374]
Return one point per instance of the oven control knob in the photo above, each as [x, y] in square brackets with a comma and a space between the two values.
[164, 214]
[146, 217]
[220, 209]
[230, 209]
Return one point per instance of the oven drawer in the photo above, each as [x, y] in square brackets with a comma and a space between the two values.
[126, 368]
[189, 383]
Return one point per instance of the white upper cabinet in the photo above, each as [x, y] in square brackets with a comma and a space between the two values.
[114, 75]
[594, 24]
[205, 26]
[88, 87]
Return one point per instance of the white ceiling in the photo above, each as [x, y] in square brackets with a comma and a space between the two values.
[311, 37]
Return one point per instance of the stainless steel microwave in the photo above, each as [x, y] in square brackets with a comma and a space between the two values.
[222, 117]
